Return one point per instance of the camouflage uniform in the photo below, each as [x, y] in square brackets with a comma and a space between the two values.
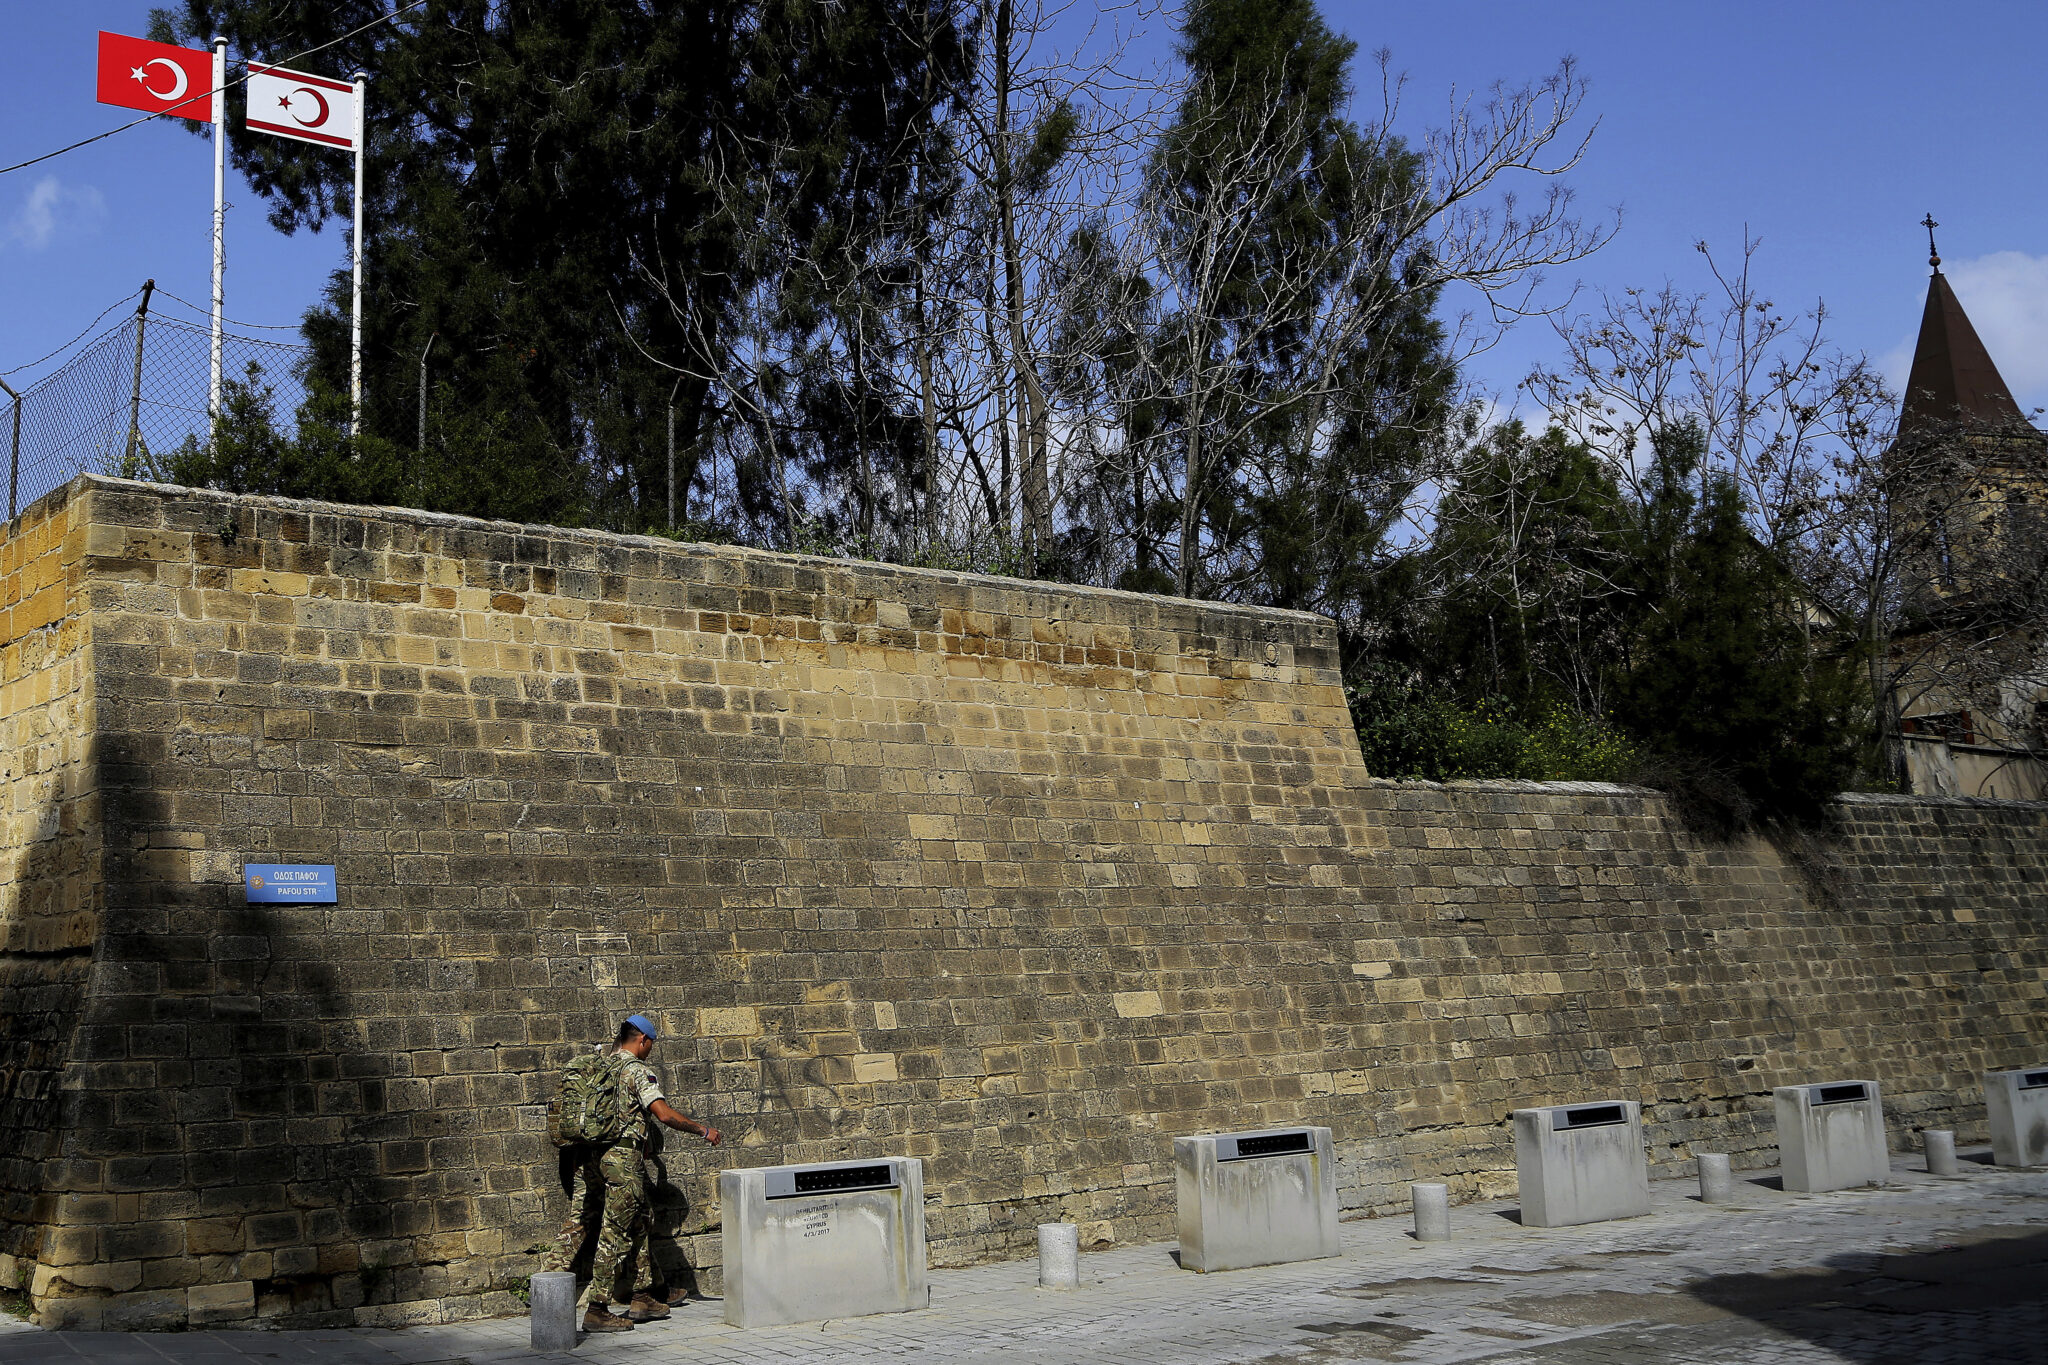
[621, 1216]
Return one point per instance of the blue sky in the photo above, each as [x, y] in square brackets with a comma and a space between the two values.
[1826, 129]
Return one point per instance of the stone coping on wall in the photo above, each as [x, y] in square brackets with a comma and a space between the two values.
[1109, 597]
[1953, 802]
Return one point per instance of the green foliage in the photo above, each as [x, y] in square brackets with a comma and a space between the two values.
[1725, 683]
[532, 166]
[1572, 629]
[251, 453]
[1409, 734]
[1267, 448]
[1050, 142]
[1529, 545]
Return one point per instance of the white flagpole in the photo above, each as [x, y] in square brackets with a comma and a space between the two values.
[220, 251]
[355, 363]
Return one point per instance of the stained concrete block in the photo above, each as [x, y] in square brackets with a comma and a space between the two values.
[2016, 1103]
[841, 1239]
[206, 1304]
[1581, 1163]
[71, 1315]
[148, 1310]
[1831, 1136]
[1259, 1198]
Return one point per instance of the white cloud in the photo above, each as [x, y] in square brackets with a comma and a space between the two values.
[2006, 296]
[52, 206]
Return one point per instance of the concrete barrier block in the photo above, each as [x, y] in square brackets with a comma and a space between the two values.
[1258, 1198]
[2016, 1103]
[1581, 1163]
[1831, 1136]
[840, 1239]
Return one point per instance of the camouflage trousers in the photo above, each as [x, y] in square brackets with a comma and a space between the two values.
[608, 1192]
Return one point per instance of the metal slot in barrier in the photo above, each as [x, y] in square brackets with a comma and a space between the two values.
[829, 1180]
[1266, 1144]
[1588, 1116]
[1839, 1094]
[2034, 1080]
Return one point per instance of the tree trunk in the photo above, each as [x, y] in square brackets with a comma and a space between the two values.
[1190, 532]
[865, 463]
[927, 398]
[1029, 402]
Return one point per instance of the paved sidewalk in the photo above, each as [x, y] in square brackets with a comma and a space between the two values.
[1926, 1271]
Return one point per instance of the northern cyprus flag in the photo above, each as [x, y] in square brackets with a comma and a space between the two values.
[309, 108]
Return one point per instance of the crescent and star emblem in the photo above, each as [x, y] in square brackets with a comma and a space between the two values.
[178, 84]
[284, 102]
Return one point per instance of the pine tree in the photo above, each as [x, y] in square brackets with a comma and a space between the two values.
[1723, 679]
[1300, 395]
[530, 164]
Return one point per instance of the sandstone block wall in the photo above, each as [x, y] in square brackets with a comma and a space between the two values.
[49, 855]
[1022, 880]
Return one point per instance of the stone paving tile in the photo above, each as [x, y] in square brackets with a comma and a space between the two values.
[1909, 1273]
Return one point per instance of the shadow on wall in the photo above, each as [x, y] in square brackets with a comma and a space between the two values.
[1874, 1309]
[226, 1127]
[229, 1122]
[45, 969]
[34, 1043]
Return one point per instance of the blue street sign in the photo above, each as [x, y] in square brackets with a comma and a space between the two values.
[303, 883]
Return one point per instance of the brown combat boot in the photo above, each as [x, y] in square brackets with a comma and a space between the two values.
[598, 1318]
[646, 1308]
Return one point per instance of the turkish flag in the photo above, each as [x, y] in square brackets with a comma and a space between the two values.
[157, 78]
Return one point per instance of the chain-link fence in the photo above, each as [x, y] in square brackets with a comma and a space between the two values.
[130, 397]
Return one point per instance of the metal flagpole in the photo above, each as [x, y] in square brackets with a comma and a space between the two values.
[220, 252]
[355, 324]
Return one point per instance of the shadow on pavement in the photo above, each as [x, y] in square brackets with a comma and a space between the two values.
[1868, 1308]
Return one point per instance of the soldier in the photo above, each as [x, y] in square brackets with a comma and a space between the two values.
[617, 1169]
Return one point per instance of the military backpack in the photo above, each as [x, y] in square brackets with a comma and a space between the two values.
[593, 1106]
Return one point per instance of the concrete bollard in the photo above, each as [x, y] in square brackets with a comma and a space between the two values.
[1717, 1181]
[1059, 1256]
[552, 1311]
[1941, 1151]
[1432, 1212]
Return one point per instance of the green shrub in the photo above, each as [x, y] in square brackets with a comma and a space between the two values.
[1409, 736]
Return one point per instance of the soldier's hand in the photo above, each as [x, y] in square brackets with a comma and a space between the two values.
[711, 1135]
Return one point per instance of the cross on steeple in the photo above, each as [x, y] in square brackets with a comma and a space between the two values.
[1953, 382]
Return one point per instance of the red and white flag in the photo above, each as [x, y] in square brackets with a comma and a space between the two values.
[309, 108]
[158, 78]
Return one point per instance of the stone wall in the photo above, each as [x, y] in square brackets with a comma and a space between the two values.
[1023, 880]
[49, 858]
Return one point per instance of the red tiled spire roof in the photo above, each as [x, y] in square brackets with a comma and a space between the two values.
[1953, 380]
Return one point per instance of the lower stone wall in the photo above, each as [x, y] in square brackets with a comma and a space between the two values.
[1020, 880]
[1521, 945]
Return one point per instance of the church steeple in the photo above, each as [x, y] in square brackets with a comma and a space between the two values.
[1953, 382]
